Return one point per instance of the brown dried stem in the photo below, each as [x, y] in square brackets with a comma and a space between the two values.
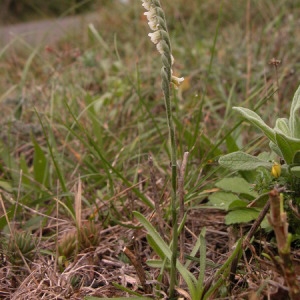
[256, 224]
[278, 220]
[138, 268]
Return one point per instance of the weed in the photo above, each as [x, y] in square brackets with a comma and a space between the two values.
[20, 249]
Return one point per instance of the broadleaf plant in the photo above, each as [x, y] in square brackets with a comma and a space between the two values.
[284, 141]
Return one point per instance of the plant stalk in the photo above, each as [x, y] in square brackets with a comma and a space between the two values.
[166, 79]
[160, 37]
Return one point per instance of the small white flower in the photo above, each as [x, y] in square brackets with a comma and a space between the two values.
[146, 4]
[159, 47]
[155, 37]
[151, 16]
[176, 81]
[172, 60]
[153, 25]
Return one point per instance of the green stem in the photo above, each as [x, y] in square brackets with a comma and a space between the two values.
[161, 38]
[166, 79]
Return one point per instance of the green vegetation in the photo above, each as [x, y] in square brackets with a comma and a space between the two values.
[85, 156]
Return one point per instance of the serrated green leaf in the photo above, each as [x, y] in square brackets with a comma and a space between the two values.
[236, 185]
[222, 200]
[240, 161]
[294, 121]
[243, 215]
[257, 121]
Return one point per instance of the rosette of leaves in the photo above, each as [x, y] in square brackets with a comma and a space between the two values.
[21, 246]
[85, 237]
[68, 245]
[88, 236]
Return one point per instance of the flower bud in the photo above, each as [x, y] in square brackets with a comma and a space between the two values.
[276, 170]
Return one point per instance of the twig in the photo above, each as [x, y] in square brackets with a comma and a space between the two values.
[278, 220]
[138, 267]
[256, 224]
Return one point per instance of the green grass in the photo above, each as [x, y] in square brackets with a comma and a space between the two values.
[92, 108]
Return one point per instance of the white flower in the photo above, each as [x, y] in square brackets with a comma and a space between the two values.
[176, 81]
[155, 37]
[146, 4]
[153, 25]
[159, 47]
[151, 16]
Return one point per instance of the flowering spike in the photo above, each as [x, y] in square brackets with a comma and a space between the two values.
[147, 4]
[160, 37]
[155, 37]
[162, 47]
[161, 22]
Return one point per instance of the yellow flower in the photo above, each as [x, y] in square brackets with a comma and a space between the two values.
[276, 170]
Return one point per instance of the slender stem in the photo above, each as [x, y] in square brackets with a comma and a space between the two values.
[160, 37]
[166, 79]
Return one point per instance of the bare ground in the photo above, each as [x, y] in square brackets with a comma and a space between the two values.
[44, 31]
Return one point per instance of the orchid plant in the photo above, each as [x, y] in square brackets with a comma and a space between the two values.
[160, 37]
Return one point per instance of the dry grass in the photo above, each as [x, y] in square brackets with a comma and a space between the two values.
[104, 99]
